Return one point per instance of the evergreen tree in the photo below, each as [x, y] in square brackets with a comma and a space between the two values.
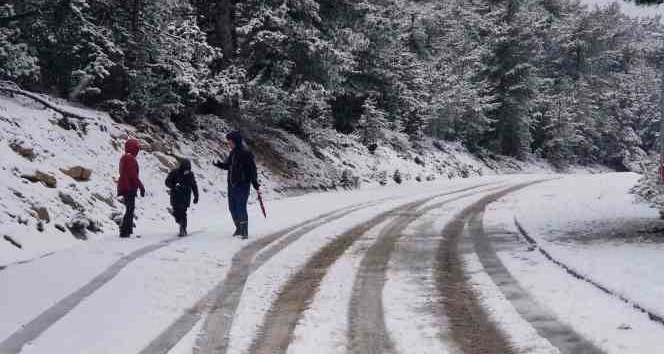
[461, 96]
[16, 62]
[371, 123]
[514, 77]
[511, 74]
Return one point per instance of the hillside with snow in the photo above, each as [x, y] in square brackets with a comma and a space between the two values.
[59, 174]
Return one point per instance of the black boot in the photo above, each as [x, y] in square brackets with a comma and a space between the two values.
[237, 227]
[183, 228]
[244, 229]
[123, 232]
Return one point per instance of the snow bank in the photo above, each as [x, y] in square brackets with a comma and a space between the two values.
[592, 225]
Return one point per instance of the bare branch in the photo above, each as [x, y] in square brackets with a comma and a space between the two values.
[4, 87]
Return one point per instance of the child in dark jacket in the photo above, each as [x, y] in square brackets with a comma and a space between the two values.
[182, 183]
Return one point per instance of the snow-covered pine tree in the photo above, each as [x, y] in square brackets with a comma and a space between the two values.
[513, 76]
[515, 48]
[16, 62]
[308, 110]
[460, 90]
[377, 53]
[557, 133]
[372, 122]
[290, 47]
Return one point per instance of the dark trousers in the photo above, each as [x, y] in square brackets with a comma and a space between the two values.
[237, 201]
[180, 214]
[127, 226]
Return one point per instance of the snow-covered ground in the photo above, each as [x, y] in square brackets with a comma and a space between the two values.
[585, 222]
[592, 226]
[44, 309]
[585, 261]
[147, 295]
[37, 143]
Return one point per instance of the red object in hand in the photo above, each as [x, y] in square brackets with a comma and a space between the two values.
[260, 201]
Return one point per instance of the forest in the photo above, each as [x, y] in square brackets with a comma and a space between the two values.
[547, 78]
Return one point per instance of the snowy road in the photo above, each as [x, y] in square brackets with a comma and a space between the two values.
[423, 268]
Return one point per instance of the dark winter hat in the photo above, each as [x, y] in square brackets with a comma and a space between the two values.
[185, 164]
[235, 136]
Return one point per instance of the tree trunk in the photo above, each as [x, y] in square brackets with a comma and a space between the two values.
[217, 19]
[225, 32]
[136, 15]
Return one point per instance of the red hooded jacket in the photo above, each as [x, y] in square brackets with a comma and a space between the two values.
[129, 181]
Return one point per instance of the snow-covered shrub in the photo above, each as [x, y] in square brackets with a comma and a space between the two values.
[16, 61]
[116, 109]
[181, 79]
[649, 188]
[153, 94]
[76, 52]
[308, 110]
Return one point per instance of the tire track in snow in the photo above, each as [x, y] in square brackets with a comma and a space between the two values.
[222, 301]
[367, 332]
[409, 294]
[469, 323]
[33, 329]
[562, 336]
[26, 261]
[367, 328]
[293, 299]
[277, 330]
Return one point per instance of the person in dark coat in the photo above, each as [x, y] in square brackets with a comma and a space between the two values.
[182, 184]
[129, 184]
[241, 176]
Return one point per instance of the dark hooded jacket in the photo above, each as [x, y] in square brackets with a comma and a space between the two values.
[182, 184]
[129, 181]
[240, 164]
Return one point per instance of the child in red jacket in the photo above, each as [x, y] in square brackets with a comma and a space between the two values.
[129, 184]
